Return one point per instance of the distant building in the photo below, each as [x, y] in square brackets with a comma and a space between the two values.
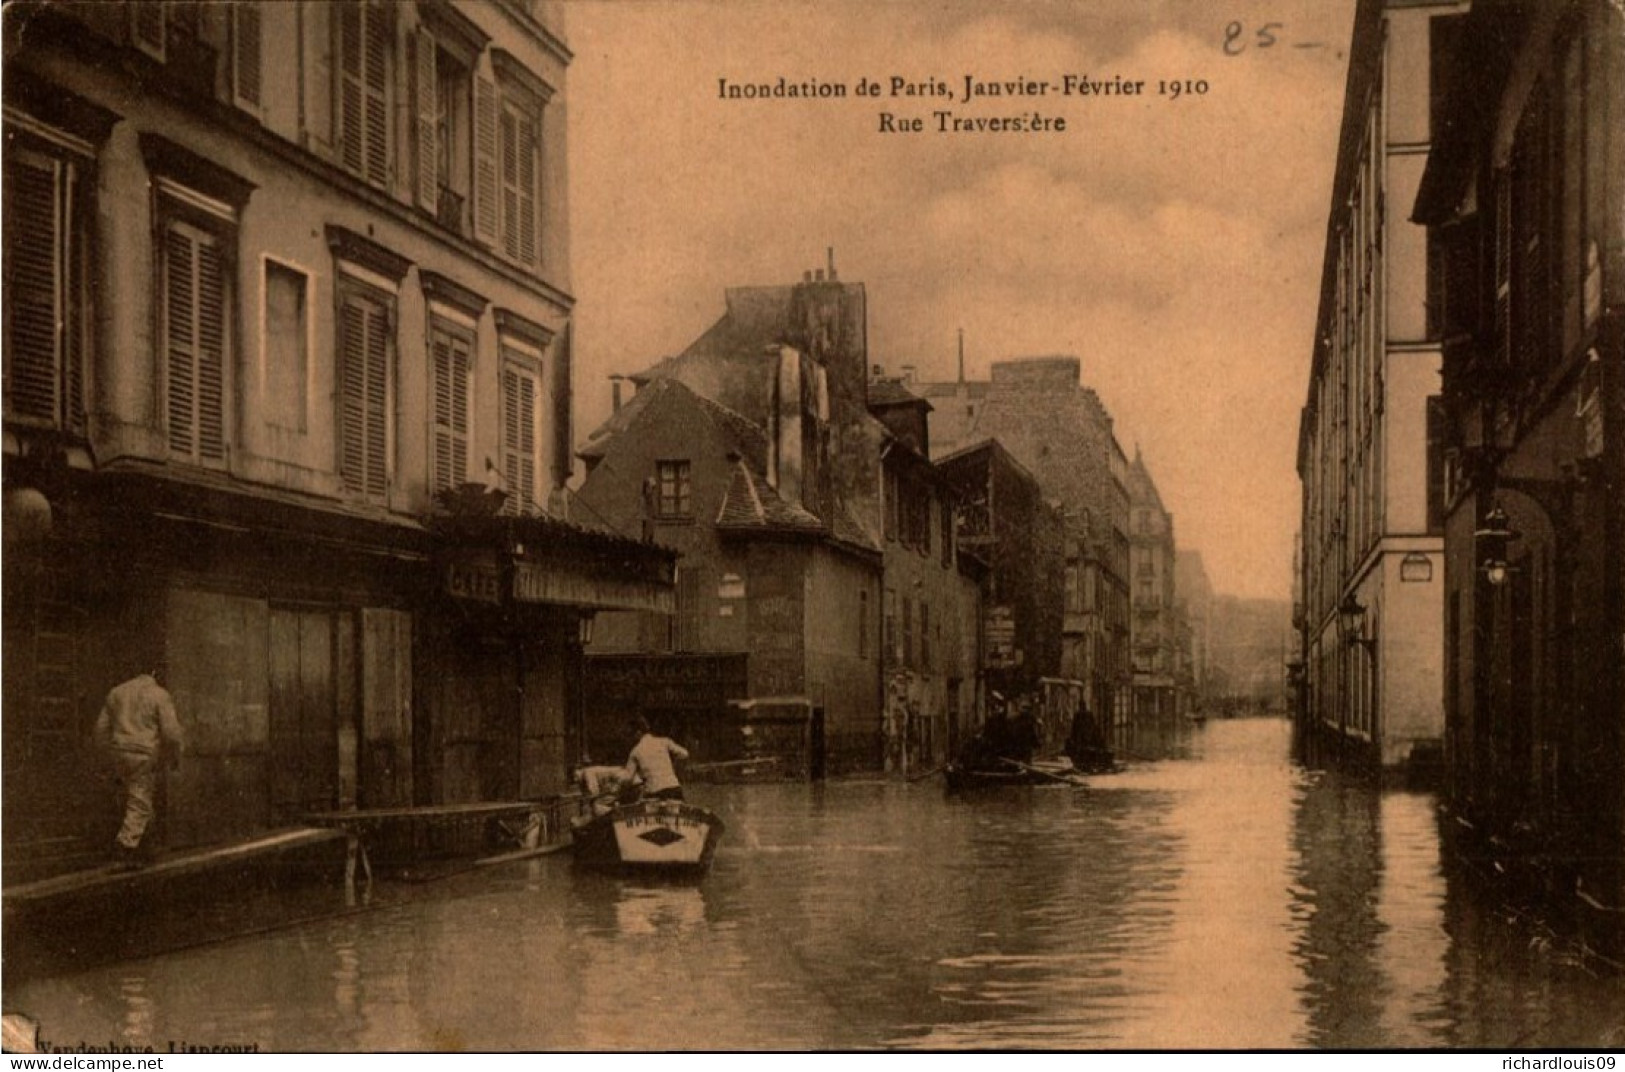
[1195, 604]
[1005, 520]
[1059, 431]
[1372, 585]
[932, 603]
[1523, 198]
[286, 289]
[1156, 634]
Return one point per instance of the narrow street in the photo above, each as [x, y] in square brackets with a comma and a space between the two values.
[1217, 897]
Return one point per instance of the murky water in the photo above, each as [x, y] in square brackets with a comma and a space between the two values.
[1220, 899]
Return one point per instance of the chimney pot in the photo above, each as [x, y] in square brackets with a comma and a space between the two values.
[806, 277]
[830, 256]
[818, 276]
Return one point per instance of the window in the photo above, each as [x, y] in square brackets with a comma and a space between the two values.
[675, 500]
[521, 390]
[47, 300]
[451, 361]
[245, 54]
[363, 72]
[149, 27]
[195, 311]
[285, 343]
[507, 141]
[365, 333]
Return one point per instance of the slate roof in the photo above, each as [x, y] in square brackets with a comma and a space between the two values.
[892, 393]
[752, 504]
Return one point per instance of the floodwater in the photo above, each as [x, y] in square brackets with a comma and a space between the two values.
[1219, 897]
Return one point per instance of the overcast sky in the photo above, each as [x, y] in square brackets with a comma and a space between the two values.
[1173, 245]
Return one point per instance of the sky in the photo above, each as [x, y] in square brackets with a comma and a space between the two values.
[1173, 244]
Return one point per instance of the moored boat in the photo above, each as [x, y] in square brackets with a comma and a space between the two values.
[649, 836]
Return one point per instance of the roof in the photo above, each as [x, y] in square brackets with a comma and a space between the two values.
[751, 503]
[746, 436]
[883, 393]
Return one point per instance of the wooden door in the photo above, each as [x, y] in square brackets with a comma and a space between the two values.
[304, 751]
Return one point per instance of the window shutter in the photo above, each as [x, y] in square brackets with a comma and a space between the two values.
[147, 20]
[428, 171]
[377, 356]
[519, 438]
[450, 355]
[180, 310]
[34, 244]
[245, 54]
[352, 393]
[211, 352]
[527, 189]
[510, 184]
[376, 80]
[485, 160]
[350, 89]
[195, 338]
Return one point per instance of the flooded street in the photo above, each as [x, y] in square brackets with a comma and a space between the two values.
[1223, 898]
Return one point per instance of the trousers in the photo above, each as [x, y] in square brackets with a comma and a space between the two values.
[138, 773]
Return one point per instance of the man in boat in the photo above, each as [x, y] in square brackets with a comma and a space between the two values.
[651, 763]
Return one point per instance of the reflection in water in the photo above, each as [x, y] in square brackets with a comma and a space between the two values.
[1212, 895]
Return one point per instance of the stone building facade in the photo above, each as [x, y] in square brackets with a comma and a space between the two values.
[287, 285]
[1522, 198]
[1367, 443]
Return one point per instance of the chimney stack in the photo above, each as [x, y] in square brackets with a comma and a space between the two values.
[806, 277]
[829, 254]
[818, 276]
[908, 375]
[961, 355]
[615, 392]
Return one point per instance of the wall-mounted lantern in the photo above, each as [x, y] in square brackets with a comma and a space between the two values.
[1351, 620]
[1490, 546]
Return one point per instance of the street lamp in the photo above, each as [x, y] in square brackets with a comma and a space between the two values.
[1351, 617]
[1490, 543]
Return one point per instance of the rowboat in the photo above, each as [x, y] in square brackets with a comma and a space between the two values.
[961, 777]
[648, 836]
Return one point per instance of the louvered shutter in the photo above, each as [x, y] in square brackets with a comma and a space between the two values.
[364, 327]
[519, 438]
[485, 160]
[428, 162]
[527, 189]
[450, 355]
[352, 393]
[245, 54]
[351, 94]
[195, 341]
[376, 84]
[377, 471]
[34, 307]
[510, 184]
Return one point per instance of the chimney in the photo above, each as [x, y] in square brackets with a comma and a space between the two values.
[908, 375]
[818, 276]
[615, 392]
[961, 355]
[806, 277]
[829, 254]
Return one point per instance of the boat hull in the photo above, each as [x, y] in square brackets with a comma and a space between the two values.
[651, 836]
